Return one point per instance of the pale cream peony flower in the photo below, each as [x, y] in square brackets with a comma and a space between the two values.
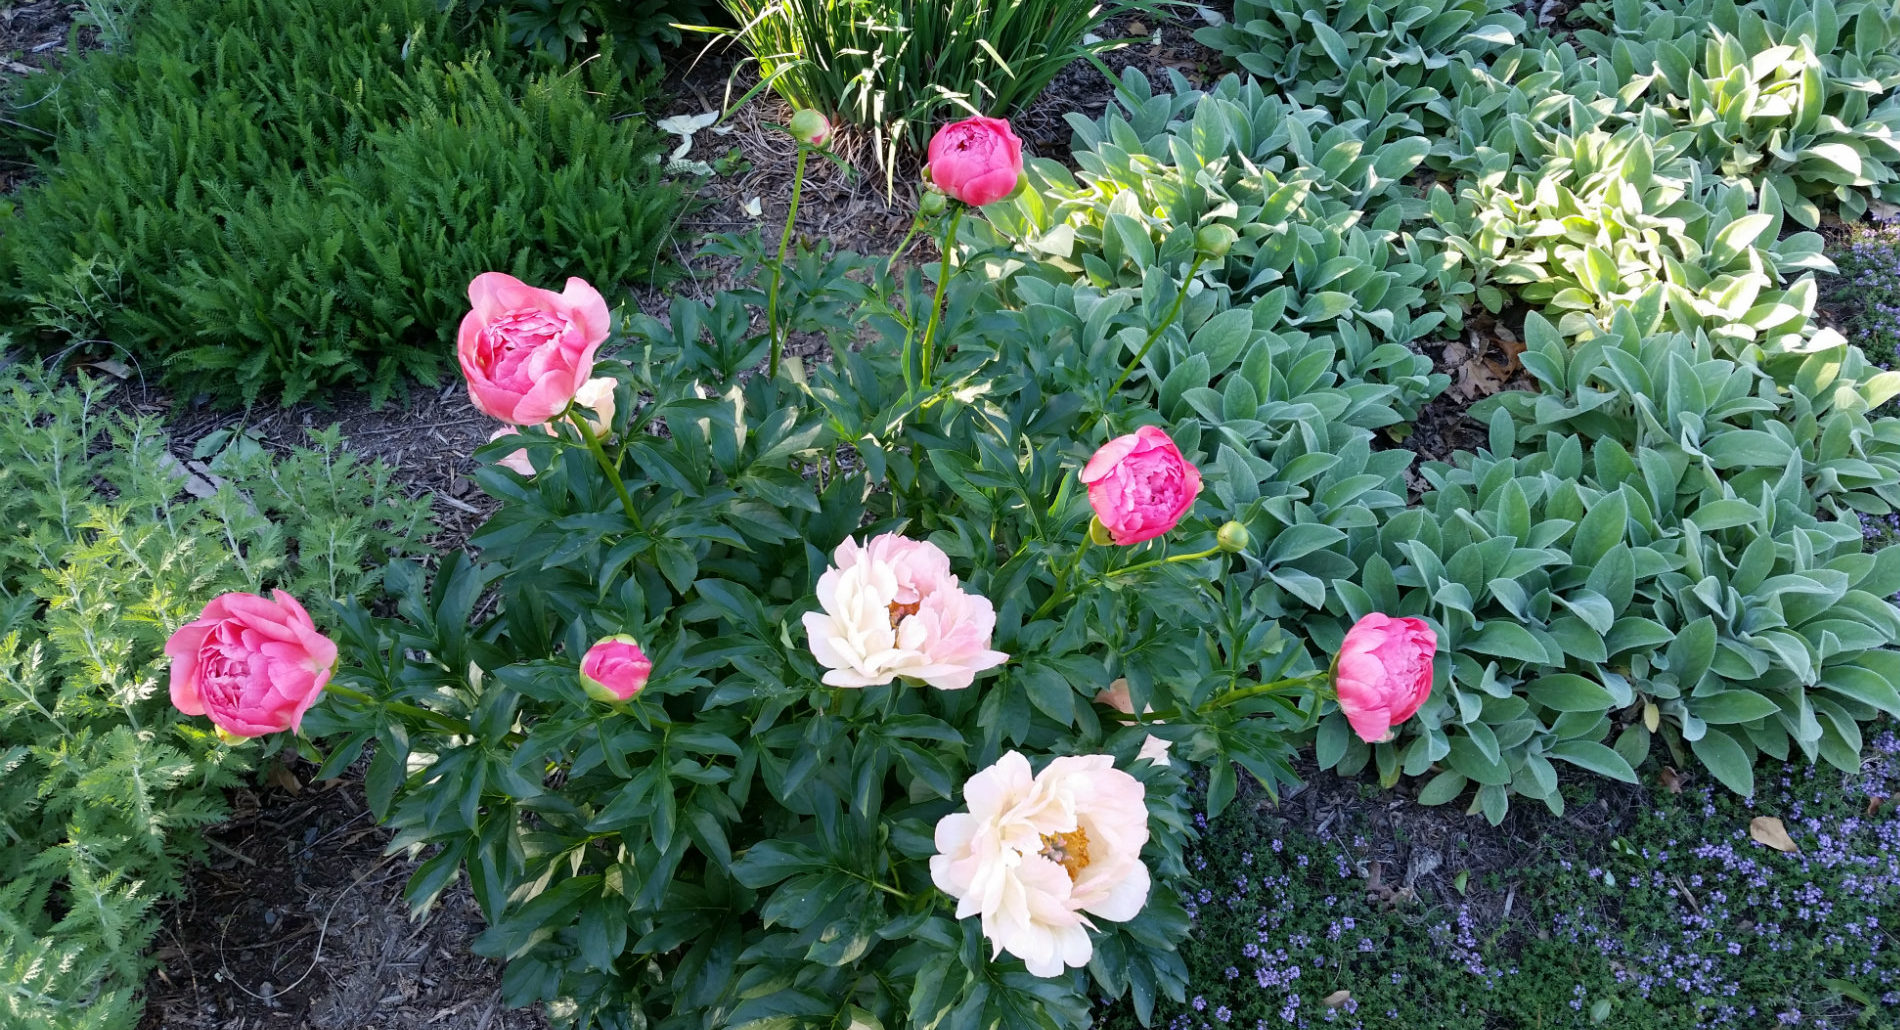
[516, 460]
[1154, 749]
[1037, 851]
[597, 395]
[892, 609]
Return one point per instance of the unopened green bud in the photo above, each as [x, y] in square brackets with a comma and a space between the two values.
[933, 203]
[1233, 537]
[1098, 533]
[808, 126]
[1214, 241]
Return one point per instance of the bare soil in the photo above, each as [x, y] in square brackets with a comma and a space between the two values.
[1412, 855]
[299, 921]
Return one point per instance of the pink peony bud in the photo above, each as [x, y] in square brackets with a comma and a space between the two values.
[1384, 673]
[808, 126]
[977, 160]
[253, 665]
[615, 669]
[1140, 486]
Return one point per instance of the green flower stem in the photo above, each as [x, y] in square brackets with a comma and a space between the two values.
[890, 265]
[449, 723]
[1242, 694]
[778, 270]
[1224, 700]
[936, 301]
[613, 474]
[1174, 311]
[1196, 556]
[885, 887]
[1063, 575]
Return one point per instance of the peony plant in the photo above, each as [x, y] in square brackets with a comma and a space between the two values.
[868, 691]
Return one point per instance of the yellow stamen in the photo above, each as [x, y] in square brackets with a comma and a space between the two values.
[898, 611]
[1069, 850]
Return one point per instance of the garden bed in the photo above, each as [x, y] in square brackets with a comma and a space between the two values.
[299, 918]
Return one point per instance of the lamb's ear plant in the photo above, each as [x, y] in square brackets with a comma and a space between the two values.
[107, 550]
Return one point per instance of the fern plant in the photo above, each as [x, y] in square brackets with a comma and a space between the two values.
[292, 199]
[103, 787]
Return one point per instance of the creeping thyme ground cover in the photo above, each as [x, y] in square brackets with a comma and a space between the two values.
[1680, 918]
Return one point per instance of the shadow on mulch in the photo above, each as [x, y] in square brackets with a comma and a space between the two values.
[299, 921]
[1411, 855]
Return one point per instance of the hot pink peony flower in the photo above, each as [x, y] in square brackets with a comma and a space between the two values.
[977, 160]
[1140, 486]
[892, 609]
[615, 669]
[1384, 673]
[254, 666]
[1036, 852]
[1154, 749]
[524, 350]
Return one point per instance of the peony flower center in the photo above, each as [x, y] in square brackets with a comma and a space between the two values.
[511, 339]
[223, 671]
[1069, 850]
[899, 611]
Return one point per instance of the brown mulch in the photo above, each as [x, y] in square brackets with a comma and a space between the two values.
[1412, 855]
[34, 37]
[426, 440]
[298, 920]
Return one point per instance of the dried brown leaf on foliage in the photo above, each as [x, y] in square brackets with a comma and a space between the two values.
[1672, 780]
[1337, 999]
[1484, 362]
[1766, 829]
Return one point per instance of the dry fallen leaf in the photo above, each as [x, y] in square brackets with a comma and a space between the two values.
[1483, 363]
[1336, 999]
[116, 369]
[1672, 780]
[1874, 803]
[1766, 829]
[281, 776]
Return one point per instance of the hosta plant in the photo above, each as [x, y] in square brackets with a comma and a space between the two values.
[1285, 191]
[1668, 585]
[1608, 218]
[1309, 46]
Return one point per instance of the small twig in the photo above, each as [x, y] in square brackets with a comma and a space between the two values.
[315, 956]
[246, 859]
